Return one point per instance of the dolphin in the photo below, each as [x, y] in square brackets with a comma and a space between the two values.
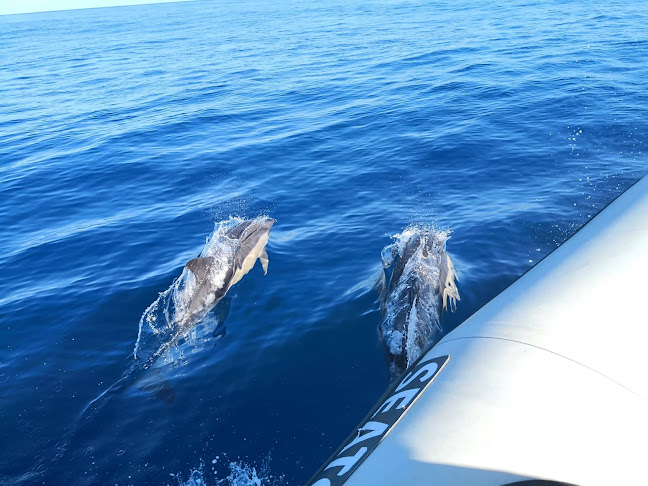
[175, 326]
[249, 239]
[417, 284]
[228, 255]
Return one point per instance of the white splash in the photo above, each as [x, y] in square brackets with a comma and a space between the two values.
[240, 474]
[171, 315]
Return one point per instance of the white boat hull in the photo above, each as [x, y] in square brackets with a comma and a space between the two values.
[547, 381]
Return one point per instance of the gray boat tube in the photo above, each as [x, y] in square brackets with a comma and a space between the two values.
[545, 384]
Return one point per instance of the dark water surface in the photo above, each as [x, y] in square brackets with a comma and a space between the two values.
[126, 133]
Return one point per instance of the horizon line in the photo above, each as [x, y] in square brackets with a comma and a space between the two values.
[117, 4]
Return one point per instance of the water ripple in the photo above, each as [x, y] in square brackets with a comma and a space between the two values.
[125, 133]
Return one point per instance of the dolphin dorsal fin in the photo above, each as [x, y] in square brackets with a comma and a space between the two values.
[200, 266]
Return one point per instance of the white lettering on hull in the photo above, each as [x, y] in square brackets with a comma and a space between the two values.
[378, 423]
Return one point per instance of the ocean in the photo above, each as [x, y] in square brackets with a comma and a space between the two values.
[128, 134]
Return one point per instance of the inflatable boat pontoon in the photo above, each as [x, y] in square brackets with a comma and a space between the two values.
[546, 384]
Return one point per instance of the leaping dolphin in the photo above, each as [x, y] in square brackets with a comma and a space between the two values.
[175, 323]
[421, 286]
[229, 254]
[249, 240]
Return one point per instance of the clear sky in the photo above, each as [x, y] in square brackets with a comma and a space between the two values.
[28, 6]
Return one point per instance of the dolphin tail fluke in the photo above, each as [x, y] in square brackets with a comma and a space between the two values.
[264, 261]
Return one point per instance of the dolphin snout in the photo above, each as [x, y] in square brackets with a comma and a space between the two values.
[267, 223]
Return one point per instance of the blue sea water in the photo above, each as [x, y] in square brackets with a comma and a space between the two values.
[127, 133]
